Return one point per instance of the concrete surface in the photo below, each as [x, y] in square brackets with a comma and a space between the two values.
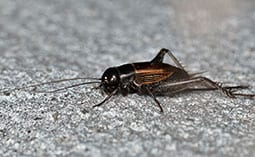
[49, 39]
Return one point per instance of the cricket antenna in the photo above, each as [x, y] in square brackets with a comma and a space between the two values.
[6, 91]
[71, 86]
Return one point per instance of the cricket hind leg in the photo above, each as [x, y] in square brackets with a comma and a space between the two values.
[160, 56]
[233, 88]
[230, 91]
[191, 89]
[187, 85]
[209, 84]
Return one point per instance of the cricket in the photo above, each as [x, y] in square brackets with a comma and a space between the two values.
[152, 78]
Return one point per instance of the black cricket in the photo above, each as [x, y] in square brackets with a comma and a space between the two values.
[152, 78]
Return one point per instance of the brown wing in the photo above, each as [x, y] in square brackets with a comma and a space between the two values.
[146, 73]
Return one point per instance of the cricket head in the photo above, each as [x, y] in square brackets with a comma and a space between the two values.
[110, 80]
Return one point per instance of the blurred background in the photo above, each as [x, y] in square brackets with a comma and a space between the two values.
[50, 39]
[74, 31]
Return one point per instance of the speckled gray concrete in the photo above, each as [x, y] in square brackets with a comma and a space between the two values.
[50, 39]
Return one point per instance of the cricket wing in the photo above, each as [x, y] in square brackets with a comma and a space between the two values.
[152, 74]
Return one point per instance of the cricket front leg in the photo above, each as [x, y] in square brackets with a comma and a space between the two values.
[106, 98]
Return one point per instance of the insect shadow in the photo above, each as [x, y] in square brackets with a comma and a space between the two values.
[152, 78]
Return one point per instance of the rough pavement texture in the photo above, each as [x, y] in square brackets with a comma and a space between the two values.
[50, 39]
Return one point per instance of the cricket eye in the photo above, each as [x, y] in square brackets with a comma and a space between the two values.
[113, 79]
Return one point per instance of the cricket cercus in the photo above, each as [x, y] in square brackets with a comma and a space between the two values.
[152, 78]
